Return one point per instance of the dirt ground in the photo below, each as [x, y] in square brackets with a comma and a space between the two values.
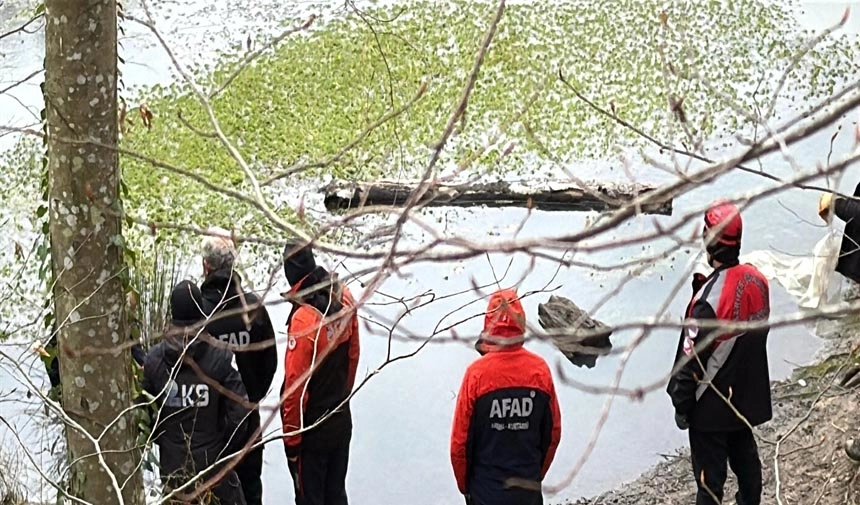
[801, 448]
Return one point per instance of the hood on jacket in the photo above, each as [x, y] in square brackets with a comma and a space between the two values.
[186, 318]
[184, 339]
[325, 297]
[504, 322]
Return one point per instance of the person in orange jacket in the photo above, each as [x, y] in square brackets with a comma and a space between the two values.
[507, 423]
[319, 373]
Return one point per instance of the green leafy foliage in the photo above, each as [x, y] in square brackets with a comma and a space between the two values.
[318, 90]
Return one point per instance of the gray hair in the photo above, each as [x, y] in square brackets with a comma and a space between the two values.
[218, 249]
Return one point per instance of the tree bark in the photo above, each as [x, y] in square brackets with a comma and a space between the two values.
[562, 196]
[87, 249]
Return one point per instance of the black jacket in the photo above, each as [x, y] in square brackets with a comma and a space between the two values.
[734, 362]
[222, 291]
[848, 210]
[198, 422]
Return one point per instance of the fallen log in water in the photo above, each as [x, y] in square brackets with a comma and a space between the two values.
[558, 196]
[579, 337]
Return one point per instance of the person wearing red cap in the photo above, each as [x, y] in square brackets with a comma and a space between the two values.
[720, 387]
[507, 423]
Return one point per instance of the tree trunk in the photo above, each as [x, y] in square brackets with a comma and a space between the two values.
[559, 196]
[87, 248]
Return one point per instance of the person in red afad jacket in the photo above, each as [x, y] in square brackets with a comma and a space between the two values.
[721, 386]
[319, 373]
[507, 423]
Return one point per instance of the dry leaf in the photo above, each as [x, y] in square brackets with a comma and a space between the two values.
[37, 348]
[88, 191]
[145, 115]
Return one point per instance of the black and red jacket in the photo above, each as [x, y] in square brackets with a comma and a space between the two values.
[733, 362]
[329, 346]
[507, 423]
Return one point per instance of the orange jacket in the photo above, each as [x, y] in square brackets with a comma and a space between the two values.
[329, 349]
[507, 422]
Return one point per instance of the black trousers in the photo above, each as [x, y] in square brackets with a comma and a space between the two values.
[520, 498]
[320, 475]
[250, 469]
[711, 450]
[228, 491]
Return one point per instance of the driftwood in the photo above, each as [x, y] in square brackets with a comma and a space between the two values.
[544, 196]
[579, 337]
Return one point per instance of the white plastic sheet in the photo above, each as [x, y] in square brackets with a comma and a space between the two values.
[811, 279]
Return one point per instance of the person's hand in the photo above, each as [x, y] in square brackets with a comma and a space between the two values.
[825, 201]
[681, 421]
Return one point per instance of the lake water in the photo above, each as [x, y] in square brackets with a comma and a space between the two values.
[403, 416]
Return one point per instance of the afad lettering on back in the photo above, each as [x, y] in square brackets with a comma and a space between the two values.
[236, 340]
[512, 407]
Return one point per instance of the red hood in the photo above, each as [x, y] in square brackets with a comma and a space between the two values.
[504, 322]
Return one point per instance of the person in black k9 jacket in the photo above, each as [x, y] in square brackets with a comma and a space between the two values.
[715, 368]
[249, 335]
[197, 424]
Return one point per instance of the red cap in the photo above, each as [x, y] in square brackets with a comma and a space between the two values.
[505, 315]
[726, 217]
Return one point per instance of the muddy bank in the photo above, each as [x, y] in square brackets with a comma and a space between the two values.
[801, 448]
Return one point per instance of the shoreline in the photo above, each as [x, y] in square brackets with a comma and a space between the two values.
[800, 448]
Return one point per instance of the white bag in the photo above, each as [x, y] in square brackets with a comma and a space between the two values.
[811, 280]
[825, 287]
